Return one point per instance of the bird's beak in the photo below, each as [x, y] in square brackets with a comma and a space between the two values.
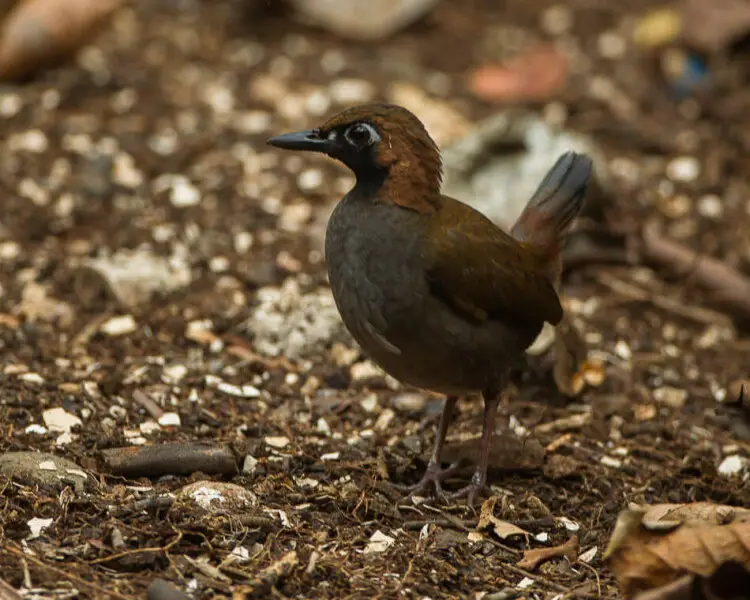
[309, 140]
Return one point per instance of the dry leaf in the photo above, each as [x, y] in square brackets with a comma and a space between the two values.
[570, 359]
[731, 581]
[39, 33]
[705, 512]
[500, 528]
[532, 76]
[643, 559]
[533, 558]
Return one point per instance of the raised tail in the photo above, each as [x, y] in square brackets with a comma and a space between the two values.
[557, 201]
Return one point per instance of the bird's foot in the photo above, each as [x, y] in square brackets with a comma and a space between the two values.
[433, 478]
[472, 491]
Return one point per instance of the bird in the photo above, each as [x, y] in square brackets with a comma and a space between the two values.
[439, 296]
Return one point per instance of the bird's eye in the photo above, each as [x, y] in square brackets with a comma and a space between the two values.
[361, 134]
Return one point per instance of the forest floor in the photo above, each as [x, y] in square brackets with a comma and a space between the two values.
[91, 162]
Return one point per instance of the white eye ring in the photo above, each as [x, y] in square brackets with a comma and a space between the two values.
[372, 138]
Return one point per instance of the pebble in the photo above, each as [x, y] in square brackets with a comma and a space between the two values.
[149, 427]
[683, 169]
[351, 91]
[333, 61]
[249, 465]
[170, 419]
[608, 461]
[611, 45]
[183, 192]
[409, 403]
[276, 441]
[218, 496]
[379, 542]
[557, 19]
[120, 325]
[383, 422]
[47, 470]
[342, 355]
[174, 373]
[252, 122]
[60, 420]
[32, 378]
[243, 241]
[310, 179]
[317, 103]
[623, 351]
[710, 206]
[670, 396]
[33, 141]
[10, 105]
[36, 526]
[364, 370]
[369, 403]
[295, 216]
[732, 465]
[125, 173]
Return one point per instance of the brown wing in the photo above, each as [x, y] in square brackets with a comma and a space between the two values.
[483, 272]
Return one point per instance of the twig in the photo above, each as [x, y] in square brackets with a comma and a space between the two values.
[166, 548]
[729, 285]
[596, 574]
[634, 292]
[100, 592]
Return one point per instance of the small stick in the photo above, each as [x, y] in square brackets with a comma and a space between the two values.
[728, 283]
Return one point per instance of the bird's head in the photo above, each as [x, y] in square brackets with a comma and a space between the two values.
[383, 144]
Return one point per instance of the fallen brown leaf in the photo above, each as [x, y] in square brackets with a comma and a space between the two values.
[731, 581]
[570, 358]
[533, 558]
[643, 559]
[500, 528]
[533, 76]
[704, 512]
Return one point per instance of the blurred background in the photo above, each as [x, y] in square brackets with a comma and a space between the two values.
[152, 246]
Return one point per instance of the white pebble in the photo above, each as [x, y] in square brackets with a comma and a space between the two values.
[351, 91]
[121, 325]
[170, 419]
[557, 19]
[310, 179]
[611, 45]
[60, 420]
[249, 465]
[710, 206]
[732, 465]
[277, 441]
[683, 168]
[183, 192]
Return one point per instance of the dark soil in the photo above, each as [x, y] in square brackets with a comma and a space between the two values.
[159, 78]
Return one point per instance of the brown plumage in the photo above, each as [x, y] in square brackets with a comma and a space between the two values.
[436, 293]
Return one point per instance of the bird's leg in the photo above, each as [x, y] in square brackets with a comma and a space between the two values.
[479, 479]
[434, 475]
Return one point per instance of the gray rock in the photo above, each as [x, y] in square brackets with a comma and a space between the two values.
[497, 167]
[46, 470]
[298, 325]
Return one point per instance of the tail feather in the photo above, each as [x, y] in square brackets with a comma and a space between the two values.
[557, 201]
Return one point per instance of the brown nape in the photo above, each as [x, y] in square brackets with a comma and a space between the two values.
[406, 150]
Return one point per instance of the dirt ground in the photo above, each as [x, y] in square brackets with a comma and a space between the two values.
[82, 151]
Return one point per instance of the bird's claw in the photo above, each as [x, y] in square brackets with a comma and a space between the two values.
[432, 478]
[471, 492]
